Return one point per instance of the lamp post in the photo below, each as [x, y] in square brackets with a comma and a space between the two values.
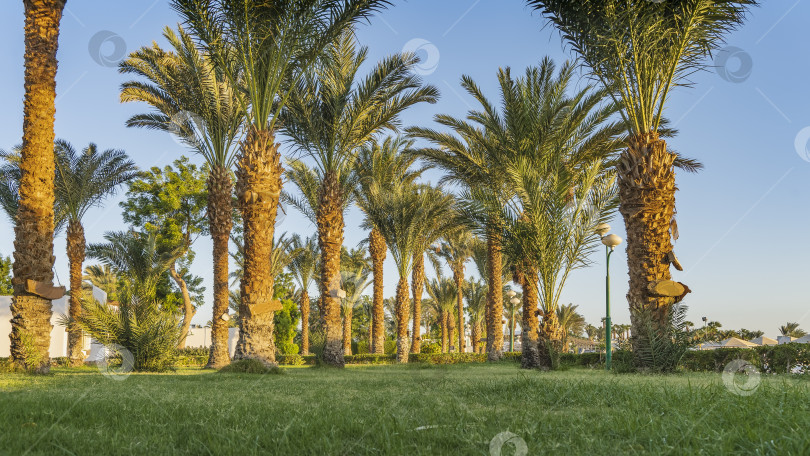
[514, 301]
[610, 241]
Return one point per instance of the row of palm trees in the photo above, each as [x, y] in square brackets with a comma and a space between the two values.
[536, 175]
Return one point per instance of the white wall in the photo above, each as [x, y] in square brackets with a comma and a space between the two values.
[58, 334]
[201, 337]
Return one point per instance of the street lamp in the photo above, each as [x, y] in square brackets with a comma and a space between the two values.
[610, 241]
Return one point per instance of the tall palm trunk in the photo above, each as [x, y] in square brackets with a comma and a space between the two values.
[417, 287]
[494, 297]
[188, 308]
[33, 233]
[531, 357]
[304, 322]
[403, 315]
[475, 335]
[75, 252]
[445, 336]
[376, 248]
[458, 276]
[451, 327]
[646, 180]
[220, 221]
[330, 239]
[347, 331]
[258, 186]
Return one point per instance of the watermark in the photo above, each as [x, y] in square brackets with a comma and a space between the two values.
[506, 438]
[107, 48]
[428, 55]
[741, 377]
[113, 352]
[802, 144]
[656, 1]
[187, 129]
[733, 64]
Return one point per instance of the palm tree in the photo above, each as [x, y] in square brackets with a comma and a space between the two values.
[406, 215]
[443, 292]
[265, 47]
[473, 159]
[456, 249]
[355, 278]
[476, 295]
[329, 116]
[195, 101]
[383, 165]
[303, 267]
[34, 224]
[571, 322]
[102, 277]
[136, 257]
[640, 51]
[792, 329]
[83, 180]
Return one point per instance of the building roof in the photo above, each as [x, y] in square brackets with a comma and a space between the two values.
[738, 343]
[764, 341]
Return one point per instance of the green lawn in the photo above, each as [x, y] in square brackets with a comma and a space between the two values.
[401, 410]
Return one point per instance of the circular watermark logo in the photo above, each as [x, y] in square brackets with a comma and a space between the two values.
[428, 55]
[802, 144]
[107, 48]
[741, 377]
[733, 64]
[109, 365]
[507, 438]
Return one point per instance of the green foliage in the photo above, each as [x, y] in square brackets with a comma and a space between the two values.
[5, 276]
[250, 366]
[138, 324]
[640, 50]
[296, 360]
[286, 321]
[662, 346]
[390, 346]
[431, 348]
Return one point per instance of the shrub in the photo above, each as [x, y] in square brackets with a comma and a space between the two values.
[390, 347]
[286, 321]
[431, 348]
[138, 325]
[361, 348]
[250, 366]
[661, 349]
[447, 358]
[370, 359]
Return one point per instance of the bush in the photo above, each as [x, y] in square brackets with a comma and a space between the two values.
[390, 347]
[361, 348]
[291, 360]
[250, 366]
[138, 325]
[447, 358]
[285, 321]
[370, 359]
[431, 348]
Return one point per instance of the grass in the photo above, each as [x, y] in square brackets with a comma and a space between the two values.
[399, 410]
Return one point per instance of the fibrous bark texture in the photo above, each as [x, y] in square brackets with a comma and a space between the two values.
[494, 298]
[417, 288]
[646, 179]
[258, 186]
[377, 250]
[220, 221]
[33, 232]
[330, 239]
[403, 315]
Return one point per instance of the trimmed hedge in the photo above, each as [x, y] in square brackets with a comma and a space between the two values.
[774, 359]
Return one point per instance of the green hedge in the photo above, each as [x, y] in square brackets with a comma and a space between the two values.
[774, 359]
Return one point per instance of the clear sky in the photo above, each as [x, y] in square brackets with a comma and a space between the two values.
[742, 220]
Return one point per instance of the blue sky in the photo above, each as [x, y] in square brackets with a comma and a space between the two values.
[743, 221]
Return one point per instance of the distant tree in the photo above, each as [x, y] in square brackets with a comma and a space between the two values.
[571, 322]
[792, 329]
[5, 276]
[102, 277]
[171, 203]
